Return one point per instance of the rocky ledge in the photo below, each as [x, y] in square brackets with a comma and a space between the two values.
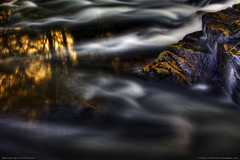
[209, 56]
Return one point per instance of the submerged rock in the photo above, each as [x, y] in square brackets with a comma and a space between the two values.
[209, 56]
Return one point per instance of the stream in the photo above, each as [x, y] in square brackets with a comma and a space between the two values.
[69, 87]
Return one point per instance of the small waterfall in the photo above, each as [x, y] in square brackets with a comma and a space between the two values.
[230, 78]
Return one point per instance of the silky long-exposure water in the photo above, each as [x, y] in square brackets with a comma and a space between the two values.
[69, 87]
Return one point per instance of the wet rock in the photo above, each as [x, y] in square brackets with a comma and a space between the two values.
[209, 56]
[187, 61]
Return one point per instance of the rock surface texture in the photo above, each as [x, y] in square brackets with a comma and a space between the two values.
[209, 56]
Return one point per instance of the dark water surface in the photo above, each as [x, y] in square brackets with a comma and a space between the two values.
[69, 90]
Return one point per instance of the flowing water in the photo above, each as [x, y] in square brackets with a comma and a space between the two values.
[69, 88]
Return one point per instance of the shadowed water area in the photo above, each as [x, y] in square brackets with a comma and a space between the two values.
[69, 88]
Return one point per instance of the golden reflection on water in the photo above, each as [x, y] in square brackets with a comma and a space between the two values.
[20, 95]
[5, 14]
[63, 44]
[32, 64]
[28, 86]
[20, 43]
[38, 70]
